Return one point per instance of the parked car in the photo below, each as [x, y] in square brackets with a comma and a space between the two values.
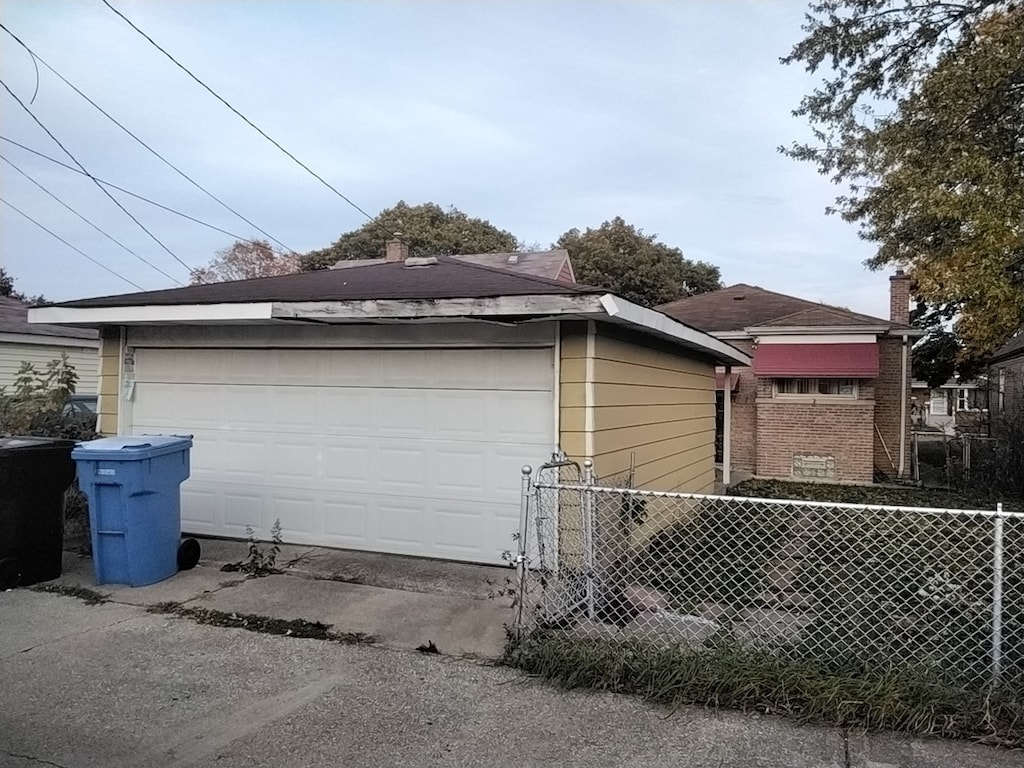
[81, 405]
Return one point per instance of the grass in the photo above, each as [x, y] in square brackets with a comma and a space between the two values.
[724, 674]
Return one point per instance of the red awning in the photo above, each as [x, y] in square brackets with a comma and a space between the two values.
[734, 380]
[847, 361]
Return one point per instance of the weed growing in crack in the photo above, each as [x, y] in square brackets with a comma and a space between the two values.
[259, 562]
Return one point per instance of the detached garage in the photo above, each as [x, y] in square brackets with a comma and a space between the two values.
[389, 407]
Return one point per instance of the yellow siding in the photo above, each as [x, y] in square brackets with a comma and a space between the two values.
[109, 380]
[652, 405]
[83, 358]
[658, 407]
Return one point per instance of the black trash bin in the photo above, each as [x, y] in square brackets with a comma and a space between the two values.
[34, 473]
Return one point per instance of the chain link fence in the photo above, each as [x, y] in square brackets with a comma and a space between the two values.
[848, 586]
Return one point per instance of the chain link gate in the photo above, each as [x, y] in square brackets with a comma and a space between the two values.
[840, 584]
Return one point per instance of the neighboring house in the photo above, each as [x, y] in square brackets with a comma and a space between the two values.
[554, 265]
[828, 395]
[390, 406]
[1006, 381]
[39, 344]
[956, 403]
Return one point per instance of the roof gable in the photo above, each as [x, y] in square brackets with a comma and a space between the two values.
[743, 306]
[1013, 348]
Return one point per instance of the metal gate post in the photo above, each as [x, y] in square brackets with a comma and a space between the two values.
[997, 595]
[589, 537]
[522, 558]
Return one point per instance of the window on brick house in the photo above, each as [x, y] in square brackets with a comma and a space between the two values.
[810, 388]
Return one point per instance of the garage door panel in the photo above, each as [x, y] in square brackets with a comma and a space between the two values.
[403, 413]
[347, 411]
[401, 470]
[294, 460]
[409, 451]
[297, 513]
[243, 510]
[400, 522]
[460, 415]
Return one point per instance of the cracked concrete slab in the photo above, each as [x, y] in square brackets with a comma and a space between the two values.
[113, 685]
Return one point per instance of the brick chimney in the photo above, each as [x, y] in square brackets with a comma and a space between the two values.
[396, 250]
[899, 298]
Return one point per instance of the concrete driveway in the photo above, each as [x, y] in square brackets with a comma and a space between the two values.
[114, 685]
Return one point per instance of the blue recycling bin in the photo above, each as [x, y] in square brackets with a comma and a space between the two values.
[133, 487]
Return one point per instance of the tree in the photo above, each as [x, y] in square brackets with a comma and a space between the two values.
[7, 289]
[429, 230]
[621, 258]
[243, 260]
[923, 119]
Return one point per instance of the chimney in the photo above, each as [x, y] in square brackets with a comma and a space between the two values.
[899, 298]
[396, 250]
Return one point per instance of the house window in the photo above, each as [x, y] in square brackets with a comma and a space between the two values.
[1002, 390]
[811, 388]
[971, 399]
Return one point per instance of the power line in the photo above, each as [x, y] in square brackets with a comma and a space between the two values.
[61, 202]
[127, 191]
[100, 186]
[223, 101]
[35, 57]
[69, 245]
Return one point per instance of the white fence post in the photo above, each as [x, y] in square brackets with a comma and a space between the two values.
[588, 536]
[997, 595]
[522, 557]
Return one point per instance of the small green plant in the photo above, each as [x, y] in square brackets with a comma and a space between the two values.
[260, 562]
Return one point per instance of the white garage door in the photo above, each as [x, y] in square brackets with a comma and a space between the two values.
[413, 451]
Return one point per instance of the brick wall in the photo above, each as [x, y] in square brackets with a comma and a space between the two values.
[889, 393]
[744, 415]
[814, 427]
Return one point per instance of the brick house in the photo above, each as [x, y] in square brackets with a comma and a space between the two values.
[828, 395]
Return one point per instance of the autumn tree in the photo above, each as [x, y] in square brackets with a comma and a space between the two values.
[922, 119]
[429, 229]
[634, 265]
[244, 260]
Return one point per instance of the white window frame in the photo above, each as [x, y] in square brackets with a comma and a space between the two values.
[813, 385]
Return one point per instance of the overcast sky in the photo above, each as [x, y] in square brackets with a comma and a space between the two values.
[538, 116]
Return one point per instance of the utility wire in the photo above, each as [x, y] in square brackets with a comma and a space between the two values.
[251, 124]
[61, 202]
[35, 57]
[69, 245]
[101, 187]
[127, 191]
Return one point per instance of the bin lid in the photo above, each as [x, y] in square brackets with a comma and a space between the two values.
[131, 448]
[28, 443]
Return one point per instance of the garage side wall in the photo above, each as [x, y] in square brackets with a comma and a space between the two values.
[83, 358]
[648, 403]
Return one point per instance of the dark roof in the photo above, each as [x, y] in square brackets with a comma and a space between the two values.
[547, 264]
[1013, 348]
[447, 278]
[743, 306]
[14, 319]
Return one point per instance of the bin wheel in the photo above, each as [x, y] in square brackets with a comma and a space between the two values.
[10, 572]
[188, 554]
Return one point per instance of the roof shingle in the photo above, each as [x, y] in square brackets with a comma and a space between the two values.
[449, 278]
[743, 306]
